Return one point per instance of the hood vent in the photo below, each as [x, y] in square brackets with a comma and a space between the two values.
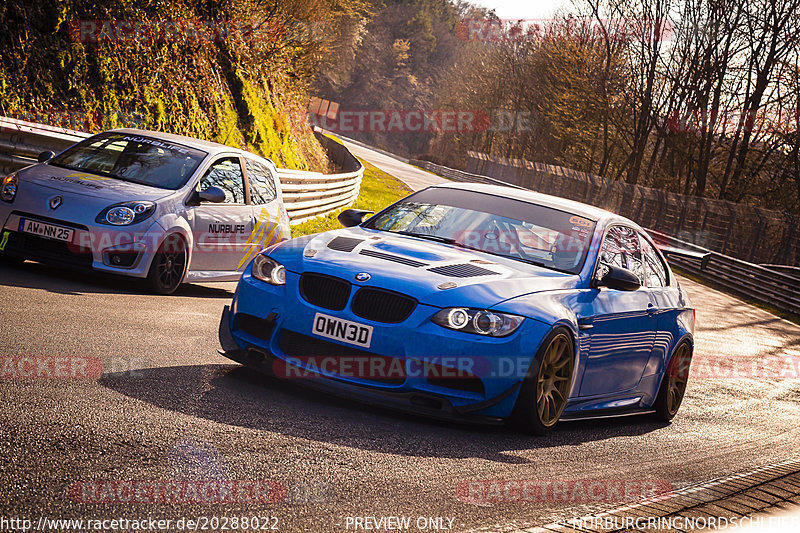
[344, 244]
[464, 270]
[395, 258]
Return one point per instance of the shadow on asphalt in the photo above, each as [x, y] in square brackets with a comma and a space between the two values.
[238, 396]
[69, 281]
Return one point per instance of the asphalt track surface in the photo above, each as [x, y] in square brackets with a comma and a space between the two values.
[169, 408]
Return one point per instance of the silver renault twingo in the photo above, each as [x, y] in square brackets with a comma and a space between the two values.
[164, 207]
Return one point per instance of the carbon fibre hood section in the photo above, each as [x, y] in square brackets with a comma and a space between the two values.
[420, 268]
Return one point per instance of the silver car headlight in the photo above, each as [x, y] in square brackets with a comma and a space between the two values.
[9, 189]
[268, 270]
[478, 321]
[126, 213]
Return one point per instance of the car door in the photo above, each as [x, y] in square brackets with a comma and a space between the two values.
[621, 324]
[221, 230]
[667, 301]
[270, 224]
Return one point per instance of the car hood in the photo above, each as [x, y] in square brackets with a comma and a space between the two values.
[433, 273]
[72, 181]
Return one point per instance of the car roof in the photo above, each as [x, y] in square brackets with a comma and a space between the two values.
[206, 146]
[562, 204]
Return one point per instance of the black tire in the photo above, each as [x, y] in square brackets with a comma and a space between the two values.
[673, 384]
[545, 391]
[169, 265]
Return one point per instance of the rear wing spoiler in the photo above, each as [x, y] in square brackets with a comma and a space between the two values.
[704, 257]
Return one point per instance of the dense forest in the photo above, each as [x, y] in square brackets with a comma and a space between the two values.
[694, 96]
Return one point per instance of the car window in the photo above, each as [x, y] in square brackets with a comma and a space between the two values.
[262, 182]
[495, 225]
[656, 273]
[621, 248]
[227, 175]
[135, 158]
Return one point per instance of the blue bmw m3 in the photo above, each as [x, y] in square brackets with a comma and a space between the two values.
[472, 302]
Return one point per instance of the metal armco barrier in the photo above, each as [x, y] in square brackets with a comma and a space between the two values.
[778, 287]
[744, 231]
[306, 194]
[755, 282]
[459, 175]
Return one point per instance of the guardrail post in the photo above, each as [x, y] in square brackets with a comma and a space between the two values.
[730, 227]
[787, 249]
[661, 207]
[678, 228]
[705, 218]
[761, 223]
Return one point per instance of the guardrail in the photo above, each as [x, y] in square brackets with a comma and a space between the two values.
[778, 287]
[752, 281]
[306, 195]
[458, 175]
[744, 231]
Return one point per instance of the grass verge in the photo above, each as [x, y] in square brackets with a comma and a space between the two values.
[378, 189]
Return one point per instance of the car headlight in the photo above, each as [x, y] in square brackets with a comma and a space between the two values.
[478, 321]
[127, 213]
[9, 190]
[268, 270]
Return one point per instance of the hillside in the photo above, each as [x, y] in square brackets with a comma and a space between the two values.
[235, 72]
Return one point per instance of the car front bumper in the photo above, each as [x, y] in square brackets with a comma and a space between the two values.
[119, 250]
[254, 332]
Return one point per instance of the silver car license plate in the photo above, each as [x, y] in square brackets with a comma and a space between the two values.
[49, 231]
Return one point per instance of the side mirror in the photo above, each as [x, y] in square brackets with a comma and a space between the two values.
[353, 217]
[212, 194]
[46, 156]
[617, 278]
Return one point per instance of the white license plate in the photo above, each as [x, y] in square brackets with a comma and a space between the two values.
[49, 231]
[342, 330]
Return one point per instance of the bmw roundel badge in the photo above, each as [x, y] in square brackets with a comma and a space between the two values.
[362, 276]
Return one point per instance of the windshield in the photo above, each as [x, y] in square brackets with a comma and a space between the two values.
[134, 158]
[499, 226]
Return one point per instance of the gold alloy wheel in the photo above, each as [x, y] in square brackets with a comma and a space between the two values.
[555, 373]
[677, 376]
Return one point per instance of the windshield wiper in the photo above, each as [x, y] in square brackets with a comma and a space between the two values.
[428, 236]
